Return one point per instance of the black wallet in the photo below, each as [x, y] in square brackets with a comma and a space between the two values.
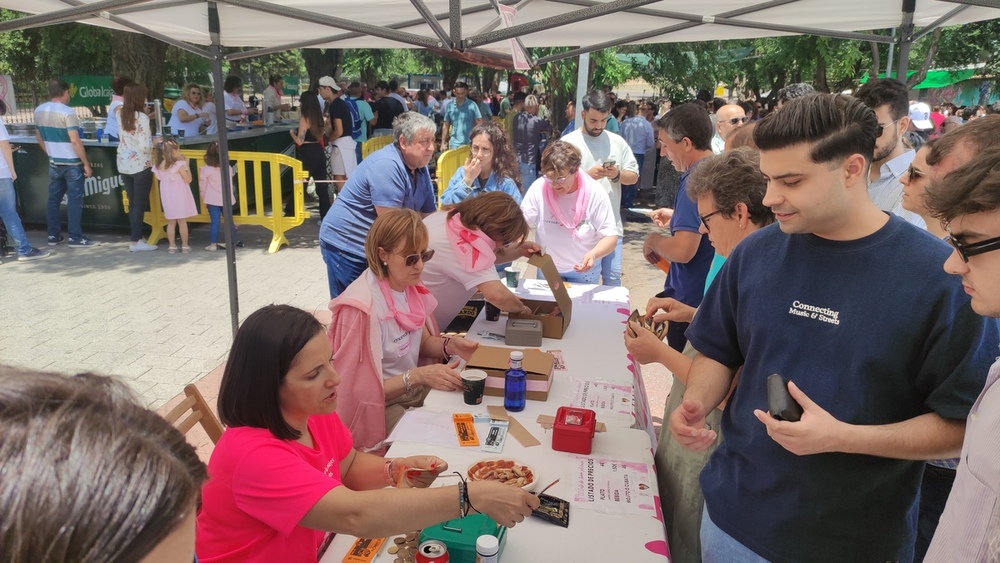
[780, 403]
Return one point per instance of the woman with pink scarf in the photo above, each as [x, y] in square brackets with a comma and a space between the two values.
[470, 240]
[384, 336]
[571, 214]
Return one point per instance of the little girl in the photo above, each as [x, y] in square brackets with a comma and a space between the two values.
[174, 174]
[210, 183]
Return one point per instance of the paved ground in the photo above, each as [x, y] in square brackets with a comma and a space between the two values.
[162, 320]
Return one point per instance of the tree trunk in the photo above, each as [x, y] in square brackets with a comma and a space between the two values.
[141, 58]
[819, 75]
[921, 73]
[324, 62]
[876, 63]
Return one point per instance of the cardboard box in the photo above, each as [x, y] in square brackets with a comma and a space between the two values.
[494, 361]
[552, 326]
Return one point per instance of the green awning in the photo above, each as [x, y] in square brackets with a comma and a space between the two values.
[935, 78]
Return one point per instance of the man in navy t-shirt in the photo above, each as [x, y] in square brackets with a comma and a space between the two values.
[884, 354]
[685, 135]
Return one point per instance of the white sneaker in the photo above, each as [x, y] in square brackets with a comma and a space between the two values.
[141, 246]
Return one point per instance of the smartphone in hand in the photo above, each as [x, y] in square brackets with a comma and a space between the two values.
[780, 403]
[608, 163]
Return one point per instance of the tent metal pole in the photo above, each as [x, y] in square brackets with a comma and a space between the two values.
[582, 84]
[227, 180]
[995, 4]
[939, 22]
[892, 50]
[145, 31]
[549, 23]
[331, 21]
[67, 15]
[455, 22]
[905, 39]
[425, 12]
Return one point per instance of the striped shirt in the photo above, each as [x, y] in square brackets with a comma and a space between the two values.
[54, 121]
[967, 531]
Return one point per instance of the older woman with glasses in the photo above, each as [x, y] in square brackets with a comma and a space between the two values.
[384, 335]
[187, 114]
[571, 214]
[491, 167]
[915, 182]
[729, 190]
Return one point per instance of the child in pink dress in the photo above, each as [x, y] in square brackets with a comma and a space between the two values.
[174, 174]
[210, 184]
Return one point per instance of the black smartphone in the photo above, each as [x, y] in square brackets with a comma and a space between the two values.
[780, 403]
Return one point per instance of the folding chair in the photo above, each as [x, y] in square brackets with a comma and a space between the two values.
[194, 410]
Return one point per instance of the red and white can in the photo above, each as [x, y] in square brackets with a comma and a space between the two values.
[432, 551]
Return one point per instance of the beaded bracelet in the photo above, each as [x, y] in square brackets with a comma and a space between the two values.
[407, 387]
[387, 472]
[461, 500]
[444, 347]
[463, 490]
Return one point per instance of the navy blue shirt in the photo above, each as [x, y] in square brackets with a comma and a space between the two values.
[686, 282]
[382, 180]
[874, 332]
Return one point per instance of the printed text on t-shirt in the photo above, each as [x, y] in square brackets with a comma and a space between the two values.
[824, 314]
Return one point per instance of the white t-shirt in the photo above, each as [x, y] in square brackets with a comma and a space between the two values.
[400, 349]
[191, 127]
[213, 124]
[111, 126]
[4, 165]
[558, 241]
[448, 281]
[596, 150]
[273, 100]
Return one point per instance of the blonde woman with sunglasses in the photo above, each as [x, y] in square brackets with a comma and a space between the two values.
[384, 336]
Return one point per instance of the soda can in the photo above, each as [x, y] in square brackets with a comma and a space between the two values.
[432, 551]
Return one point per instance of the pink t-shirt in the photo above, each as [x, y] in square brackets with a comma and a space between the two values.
[260, 488]
[210, 185]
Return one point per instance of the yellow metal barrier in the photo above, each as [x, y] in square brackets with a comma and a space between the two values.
[448, 163]
[374, 144]
[277, 223]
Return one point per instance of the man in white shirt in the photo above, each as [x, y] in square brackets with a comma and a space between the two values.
[608, 159]
[273, 95]
[727, 118]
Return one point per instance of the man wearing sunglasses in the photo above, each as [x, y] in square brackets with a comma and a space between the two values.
[888, 99]
[965, 194]
[729, 117]
[882, 351]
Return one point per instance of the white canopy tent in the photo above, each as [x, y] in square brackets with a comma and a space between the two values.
[472, 29]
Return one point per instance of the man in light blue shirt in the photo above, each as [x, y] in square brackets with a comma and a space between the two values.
[459, 118]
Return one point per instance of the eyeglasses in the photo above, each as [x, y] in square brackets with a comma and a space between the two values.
[881, 127]
[705, 218]
[425, 256]
[736, 120]
[914, 172]
[560, 179]
[968, 250]
[480, 150]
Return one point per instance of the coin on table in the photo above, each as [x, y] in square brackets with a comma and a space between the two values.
[411, 536]
[393, 549]
[399, 541]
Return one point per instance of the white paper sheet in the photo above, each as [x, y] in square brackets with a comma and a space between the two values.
[613, 486]
[602, 397]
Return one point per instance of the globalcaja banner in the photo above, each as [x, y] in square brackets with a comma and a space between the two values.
[87, 91]
[291, 86]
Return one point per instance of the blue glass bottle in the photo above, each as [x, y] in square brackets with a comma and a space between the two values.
[515, 384]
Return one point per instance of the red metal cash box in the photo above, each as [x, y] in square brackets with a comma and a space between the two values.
[574, 430]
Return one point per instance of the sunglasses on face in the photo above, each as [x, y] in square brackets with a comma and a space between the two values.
[915, 172]
[967, 250]
[882, 126]
[736, 120]
[425, 256]
[705, 218]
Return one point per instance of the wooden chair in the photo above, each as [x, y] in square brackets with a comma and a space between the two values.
[194, 410]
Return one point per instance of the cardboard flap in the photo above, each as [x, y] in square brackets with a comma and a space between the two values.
[495, 358]
[548, 268]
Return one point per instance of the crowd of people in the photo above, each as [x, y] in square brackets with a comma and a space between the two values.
[814, 243]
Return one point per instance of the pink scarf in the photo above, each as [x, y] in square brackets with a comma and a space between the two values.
[472, 247]
[580, 209]
[420, 300]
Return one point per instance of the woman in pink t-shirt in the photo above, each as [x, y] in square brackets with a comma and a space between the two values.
[285, 473]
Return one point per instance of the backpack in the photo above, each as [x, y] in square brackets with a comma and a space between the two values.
[355, 117]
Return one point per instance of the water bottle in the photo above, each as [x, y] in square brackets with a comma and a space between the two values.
[515, 383]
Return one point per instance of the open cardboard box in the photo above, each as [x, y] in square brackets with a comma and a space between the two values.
[552, 326]
[494, 361]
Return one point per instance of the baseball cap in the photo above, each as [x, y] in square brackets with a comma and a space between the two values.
[920, 116]
[329, 83]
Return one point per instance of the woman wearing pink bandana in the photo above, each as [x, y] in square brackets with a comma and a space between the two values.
[469, 241]
[384, 336]
[571, 214]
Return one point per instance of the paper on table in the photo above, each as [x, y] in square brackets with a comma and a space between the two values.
[602, 397]
[613, 486]
[425, 427]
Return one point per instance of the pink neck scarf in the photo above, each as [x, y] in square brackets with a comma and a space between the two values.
[472, 247]
[420, 300]
[580, 209]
